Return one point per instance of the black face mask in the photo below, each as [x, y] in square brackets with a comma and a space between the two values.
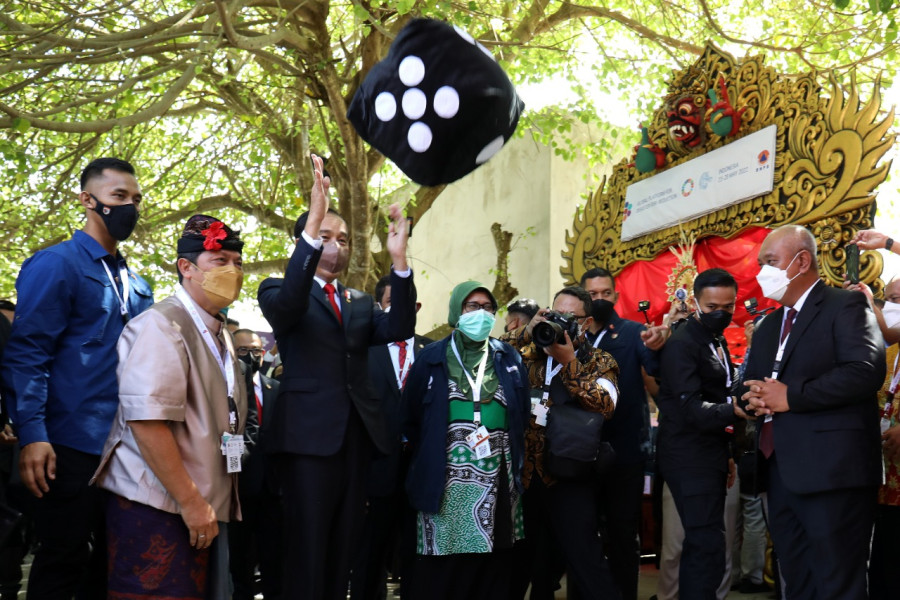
[716, 321]
[119, 220]
[602, 310]
[255, 365]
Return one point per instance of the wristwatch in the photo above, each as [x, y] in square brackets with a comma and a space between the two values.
[888, 244]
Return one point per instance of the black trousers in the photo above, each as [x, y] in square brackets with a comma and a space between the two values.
[822, 539]
[621, 495]
[390, 526]
[71, 533]
[257, 539]
[883, 581]
[324, 508]
[457, 576]
[561, 520]
[700, 500]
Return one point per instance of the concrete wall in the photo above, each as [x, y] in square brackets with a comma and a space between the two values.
[524, 186]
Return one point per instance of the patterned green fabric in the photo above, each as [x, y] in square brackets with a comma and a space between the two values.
[471, 352]
[466, 519]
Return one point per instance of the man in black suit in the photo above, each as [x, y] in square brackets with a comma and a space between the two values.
[812, 379]
[256, 539]
[389, 519]
[328, 417]
[695, 416]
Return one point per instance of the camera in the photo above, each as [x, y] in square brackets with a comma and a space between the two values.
[644, 306]
[752, 307]
[554, 329]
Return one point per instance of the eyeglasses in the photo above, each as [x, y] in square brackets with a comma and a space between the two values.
[243, 350]
[473, 306]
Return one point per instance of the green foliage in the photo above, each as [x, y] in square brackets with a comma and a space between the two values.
[219, 103]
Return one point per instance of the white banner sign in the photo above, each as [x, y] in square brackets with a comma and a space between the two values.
[743, 169]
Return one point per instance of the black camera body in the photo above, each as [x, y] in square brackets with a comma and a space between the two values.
[554, 329]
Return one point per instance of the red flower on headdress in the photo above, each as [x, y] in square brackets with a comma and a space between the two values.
[213, 234]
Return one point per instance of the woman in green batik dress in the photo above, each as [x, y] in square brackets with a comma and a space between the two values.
[466, 405]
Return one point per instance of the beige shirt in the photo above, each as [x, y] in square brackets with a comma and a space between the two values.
[167, 372]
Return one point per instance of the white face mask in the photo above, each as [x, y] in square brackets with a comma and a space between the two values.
[891, 313]
[774, 281]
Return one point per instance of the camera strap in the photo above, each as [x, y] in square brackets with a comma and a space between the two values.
[479, 378]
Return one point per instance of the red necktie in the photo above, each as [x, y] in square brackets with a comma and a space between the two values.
[258, 410]
[401, 362]
[329, 291]
[766, 435]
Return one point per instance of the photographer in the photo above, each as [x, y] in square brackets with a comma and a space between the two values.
[693, 443]
[563, 369]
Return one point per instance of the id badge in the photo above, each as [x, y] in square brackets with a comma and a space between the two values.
[540, 414]
[233, 449]
[480, 441]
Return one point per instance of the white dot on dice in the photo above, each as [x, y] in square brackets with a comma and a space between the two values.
[411, 70]
[385, 106]
[490, 150]
[419, 137]
[446, 102]
[414, 103]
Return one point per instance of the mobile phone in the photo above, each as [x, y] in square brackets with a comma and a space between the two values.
[851, 266]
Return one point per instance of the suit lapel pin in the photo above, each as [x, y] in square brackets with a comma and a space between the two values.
[347, 295]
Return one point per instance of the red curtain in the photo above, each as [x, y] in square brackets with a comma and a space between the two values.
[647, 280]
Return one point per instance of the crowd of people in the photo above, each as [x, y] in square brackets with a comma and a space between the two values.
[164, 453]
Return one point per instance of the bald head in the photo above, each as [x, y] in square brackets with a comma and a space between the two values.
[791, 248]
[795, 238]
[892, 291]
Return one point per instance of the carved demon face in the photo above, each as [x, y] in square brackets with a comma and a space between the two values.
[684, 121]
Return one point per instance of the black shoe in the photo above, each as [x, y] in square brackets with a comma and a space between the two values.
[748, 587]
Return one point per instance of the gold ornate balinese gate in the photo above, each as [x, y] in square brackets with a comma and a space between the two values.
[826, 164]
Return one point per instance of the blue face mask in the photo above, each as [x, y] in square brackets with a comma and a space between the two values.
[476, 325]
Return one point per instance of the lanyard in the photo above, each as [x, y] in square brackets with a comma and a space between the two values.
[479, 377]
[126, 285]
[599, 337]
[778, 355]
[549, 373]
[895, 380]
[722, 361]
[228, 374]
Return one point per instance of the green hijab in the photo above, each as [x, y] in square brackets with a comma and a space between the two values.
[470, 351]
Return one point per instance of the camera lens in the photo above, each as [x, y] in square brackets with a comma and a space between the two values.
[547, 333]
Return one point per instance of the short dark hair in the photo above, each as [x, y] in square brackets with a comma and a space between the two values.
[524, 306]
[244, 332]
[382, 285]
[230, 321]
[597, 272]
[580, 293]
[713, 278]
[7, 305]
[191, 257]
[300, 225]
[96, 167]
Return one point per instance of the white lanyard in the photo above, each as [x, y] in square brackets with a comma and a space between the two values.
[403, 369]
[599, 337]
[895, 380]
[479, 377]
[778, 356]
[722, 361]
[549, 373]
[123, 299]
[228, 374]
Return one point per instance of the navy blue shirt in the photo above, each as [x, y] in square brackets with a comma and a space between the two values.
[628, 431]
[59, 366]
